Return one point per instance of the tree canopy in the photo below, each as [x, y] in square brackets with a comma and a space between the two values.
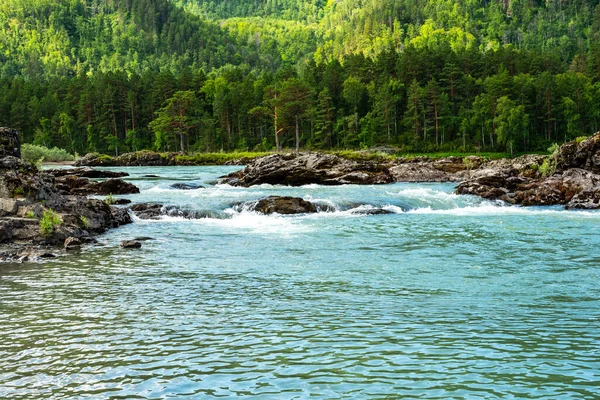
[211, 75]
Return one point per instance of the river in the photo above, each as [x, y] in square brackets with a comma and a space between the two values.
[445, 297]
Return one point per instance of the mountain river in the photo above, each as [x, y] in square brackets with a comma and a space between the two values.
[444, 296]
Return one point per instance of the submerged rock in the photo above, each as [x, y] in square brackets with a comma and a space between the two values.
[72, 243]
[372, 211]
[186, 186]
[130, 244]
[307, 168]
[155, 211]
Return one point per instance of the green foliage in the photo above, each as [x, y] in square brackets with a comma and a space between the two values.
[580, 139]
[34, 153]
[49, 221]
[553, 148]
[216, 75]
[30, 214]
[548, 167]
[83, 221]
[110, 199]
[18, 191]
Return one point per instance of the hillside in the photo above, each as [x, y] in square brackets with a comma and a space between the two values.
[435, 75]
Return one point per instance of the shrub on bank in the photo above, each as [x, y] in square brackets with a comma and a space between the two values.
[33, 153]
[49, 221]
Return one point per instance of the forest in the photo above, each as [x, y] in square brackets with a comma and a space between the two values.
[221, 75]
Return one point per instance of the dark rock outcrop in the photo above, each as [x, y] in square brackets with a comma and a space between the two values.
[71, 184]
[306, 168]
[572, 180]
[10, 143]
[28, 196]
[584, 154]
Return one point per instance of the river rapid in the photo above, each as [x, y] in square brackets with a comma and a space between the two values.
[445, 297]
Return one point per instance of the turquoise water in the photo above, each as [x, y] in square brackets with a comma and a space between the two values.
[447, 297]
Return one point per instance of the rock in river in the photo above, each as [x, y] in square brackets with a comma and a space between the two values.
[130, 244]
[186, 186]
[283, 205]
[306, 168]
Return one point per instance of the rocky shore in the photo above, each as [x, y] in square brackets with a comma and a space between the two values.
[569, 177]
[42, 212]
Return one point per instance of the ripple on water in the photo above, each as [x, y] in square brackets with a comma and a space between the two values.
[456, 298]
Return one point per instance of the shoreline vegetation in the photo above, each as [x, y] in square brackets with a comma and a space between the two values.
[152, 158]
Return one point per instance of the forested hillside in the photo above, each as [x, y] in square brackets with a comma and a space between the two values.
[120, 75]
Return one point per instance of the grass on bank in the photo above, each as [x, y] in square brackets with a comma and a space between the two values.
[358, 155]
[216, 158]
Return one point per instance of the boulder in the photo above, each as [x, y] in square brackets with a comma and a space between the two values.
[585, 200]
[121, 202]
[95, 160]
[308, 168]
[120, 216]
[130, 244]
[283, 205]
[147, 210]
[115, 186]
[582, 154]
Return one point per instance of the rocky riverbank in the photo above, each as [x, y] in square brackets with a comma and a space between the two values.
[40, 214]
[569, 177]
